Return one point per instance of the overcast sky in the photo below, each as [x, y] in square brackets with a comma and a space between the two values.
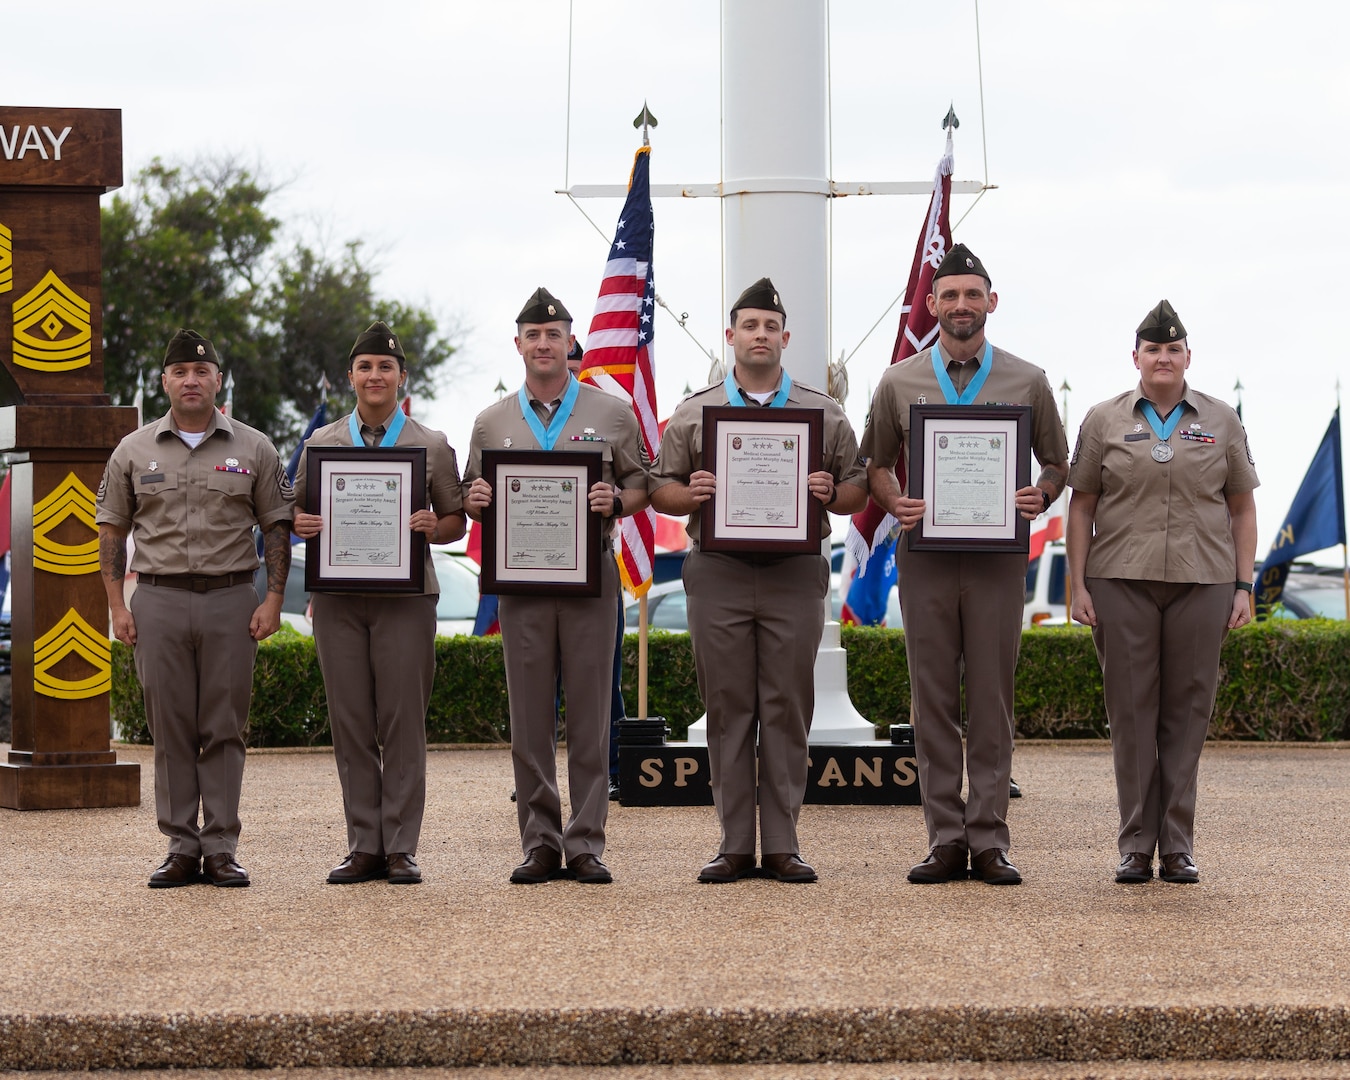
[1141, 149]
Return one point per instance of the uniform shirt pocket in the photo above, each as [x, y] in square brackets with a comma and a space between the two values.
[228, 498]
[149, 485]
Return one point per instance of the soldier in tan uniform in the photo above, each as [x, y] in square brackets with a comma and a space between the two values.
[1161, 541]
[378, 650]
[962, 610]
[546, 633]
[189, 488]
[756, 619]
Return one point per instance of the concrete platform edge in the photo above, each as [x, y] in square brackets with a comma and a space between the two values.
[472, 1037]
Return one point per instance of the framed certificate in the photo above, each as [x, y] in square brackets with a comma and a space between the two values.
[366, 497]
[762, 458]
[967, 462]
[539, 535]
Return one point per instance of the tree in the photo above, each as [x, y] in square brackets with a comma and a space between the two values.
[198, 248]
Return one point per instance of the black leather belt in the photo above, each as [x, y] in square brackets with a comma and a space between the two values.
[197, 582]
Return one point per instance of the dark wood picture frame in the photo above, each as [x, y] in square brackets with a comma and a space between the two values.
[581, 467]
[713, 535]
[412, 461]
[1012, 420]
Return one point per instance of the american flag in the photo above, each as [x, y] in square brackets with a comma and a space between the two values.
[620, 355]
[918, 330]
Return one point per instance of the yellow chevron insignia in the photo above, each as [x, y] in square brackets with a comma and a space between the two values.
[70, 500]
[6, 259]
[51, 327]
[72, 636]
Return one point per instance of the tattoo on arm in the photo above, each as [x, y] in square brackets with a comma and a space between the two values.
[112, 555]
[277, 554]
[1053, 478]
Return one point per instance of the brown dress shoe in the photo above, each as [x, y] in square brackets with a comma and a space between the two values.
[589, 870]
[541, 864]
[177, 870]
[788, 866]
[992, 867]
[1179, 868]
[1135, 869]
[946, 862]
[358, 866]
[403, 870]
[221, 870]
[727, 867]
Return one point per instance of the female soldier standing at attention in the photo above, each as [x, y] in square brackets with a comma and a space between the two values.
[377, 651]
[1162, 541]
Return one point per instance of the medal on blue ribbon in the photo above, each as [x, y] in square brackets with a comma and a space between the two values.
[1161, 451]
[390, 435]
[734, 392]
[546, 437]
[976, 384]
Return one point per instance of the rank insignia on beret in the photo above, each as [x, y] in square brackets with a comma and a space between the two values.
[1171, 331]
[552, 310]
[970, 262]
[393, 344]
[775, 299]
[201, 350]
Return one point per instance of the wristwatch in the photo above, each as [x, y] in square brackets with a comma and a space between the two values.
[1243, 586]
[617, 509]
[1045, 500]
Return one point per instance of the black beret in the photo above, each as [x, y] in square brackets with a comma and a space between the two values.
[543, 307]
[762, 296]
[188, 347]
[577, 352]
[1161, 325]
[961, 260]
[378, 340]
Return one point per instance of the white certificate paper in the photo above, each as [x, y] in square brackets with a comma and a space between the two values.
[762, 470]
[366, 510]
[970, 480]
[543, 516]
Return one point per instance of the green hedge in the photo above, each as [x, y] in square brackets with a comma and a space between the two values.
[1279, 681]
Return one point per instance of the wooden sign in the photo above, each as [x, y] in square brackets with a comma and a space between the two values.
[59, 429]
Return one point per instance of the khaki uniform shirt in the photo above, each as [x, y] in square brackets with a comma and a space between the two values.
[912, 382]
[599, 422]
[682, 444]
[1162, 521]
[192, 511]
[443, 490]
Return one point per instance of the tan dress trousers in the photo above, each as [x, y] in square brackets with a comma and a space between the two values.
[194, 657]
[960, 609]
[378, 656]
[1158, 643]
[542, 635]
[756, 626]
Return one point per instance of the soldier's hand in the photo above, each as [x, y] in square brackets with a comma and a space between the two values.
[601, 498]
[1082, 609]
[1242, 610]
[307, 526]
[266, 619]
[702, 485]
[423, 521]
[907, 511]
[124, 626]
[821, 485]
[480, 495]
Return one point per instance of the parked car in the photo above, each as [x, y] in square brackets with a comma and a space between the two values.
[1046, 577]
[1312, 592]
[455, 609]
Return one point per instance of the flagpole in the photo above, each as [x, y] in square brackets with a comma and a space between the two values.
[1064, 389]
[642, 657]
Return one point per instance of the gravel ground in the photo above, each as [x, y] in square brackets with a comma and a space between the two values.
[1067, 972]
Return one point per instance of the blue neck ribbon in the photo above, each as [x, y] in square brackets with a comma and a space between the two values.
[547, 436]
[390, 434]
[976, 384]
[734, 391]
[1162, 428]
